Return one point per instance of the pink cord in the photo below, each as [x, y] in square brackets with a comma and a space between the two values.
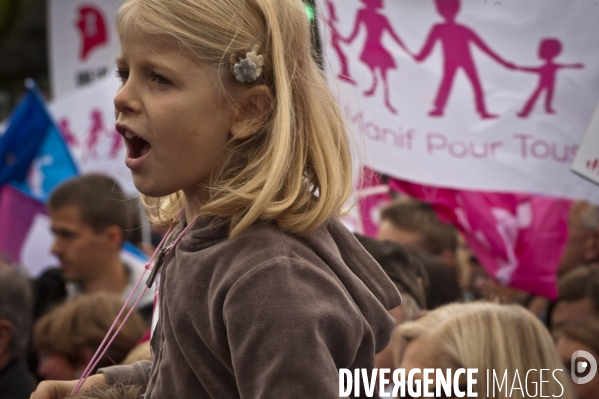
[103, 348]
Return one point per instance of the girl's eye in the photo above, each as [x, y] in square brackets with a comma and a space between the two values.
[122, 74]
[160, 80]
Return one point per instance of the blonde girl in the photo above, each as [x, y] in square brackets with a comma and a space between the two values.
[234, 138]
[488, 337]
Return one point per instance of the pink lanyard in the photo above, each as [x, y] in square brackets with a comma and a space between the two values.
[162, 255]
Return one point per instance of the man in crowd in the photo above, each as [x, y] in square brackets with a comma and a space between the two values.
[578, 297]
[16, 314]
[415, 225]
[582, 247]
[90, 217]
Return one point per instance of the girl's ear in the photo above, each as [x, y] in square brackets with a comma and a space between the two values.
[252, 113]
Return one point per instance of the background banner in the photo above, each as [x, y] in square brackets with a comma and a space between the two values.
[467, 94]
[517, 238]
[82, 42]
[586, 163]
[86, 120]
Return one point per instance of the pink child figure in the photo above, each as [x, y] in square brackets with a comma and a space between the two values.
[95, 132]
[455, 41]
[548, 50]
[335, 38]
[374, 55]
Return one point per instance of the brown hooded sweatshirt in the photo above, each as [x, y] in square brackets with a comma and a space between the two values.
[264, 315]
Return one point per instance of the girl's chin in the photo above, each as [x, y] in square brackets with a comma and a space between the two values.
[150, 188]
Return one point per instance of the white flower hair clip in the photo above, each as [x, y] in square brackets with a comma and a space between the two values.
[248, 69]
[246, 64]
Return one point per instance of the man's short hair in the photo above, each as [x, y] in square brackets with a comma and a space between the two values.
[419, 217]
[580, 283]
[401, 266]
[100, 200]
[584, 331]
[16, 306]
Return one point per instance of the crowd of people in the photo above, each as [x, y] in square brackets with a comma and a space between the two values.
[238, 147]
[452, 314]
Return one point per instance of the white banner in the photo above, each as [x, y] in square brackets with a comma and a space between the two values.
[586, 163]
[86, 120]
[479, 95]
[82, 42]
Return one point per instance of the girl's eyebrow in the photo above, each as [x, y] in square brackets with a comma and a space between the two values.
[148, 64]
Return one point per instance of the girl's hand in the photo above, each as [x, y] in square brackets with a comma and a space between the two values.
[59, 389]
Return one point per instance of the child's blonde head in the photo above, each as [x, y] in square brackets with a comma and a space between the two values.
[293, 166]
[488, 336]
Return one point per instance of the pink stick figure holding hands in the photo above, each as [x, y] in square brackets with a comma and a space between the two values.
[336, 38]
[374, 54]
[548, 50]
[455, 40]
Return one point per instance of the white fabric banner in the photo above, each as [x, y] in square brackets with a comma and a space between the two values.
[479, 95]
[82, 42]
[586, 163]
[86, 120]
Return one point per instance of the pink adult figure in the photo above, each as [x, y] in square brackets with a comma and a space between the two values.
[455, 40]
[374, 55]
[335, 39]
[548, 50]
[66, 133]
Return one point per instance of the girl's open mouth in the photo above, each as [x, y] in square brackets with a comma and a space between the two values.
[137, 148]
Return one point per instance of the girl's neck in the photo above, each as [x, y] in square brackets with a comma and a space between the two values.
[193, 200]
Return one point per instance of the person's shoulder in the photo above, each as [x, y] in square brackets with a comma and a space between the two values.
[270, 262]
[266, 241]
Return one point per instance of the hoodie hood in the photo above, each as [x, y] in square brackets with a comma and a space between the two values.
[344, 254]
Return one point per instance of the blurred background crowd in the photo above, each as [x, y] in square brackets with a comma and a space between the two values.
[51, 326]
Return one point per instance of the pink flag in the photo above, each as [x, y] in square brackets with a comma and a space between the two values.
[518, 238]
[17, 211]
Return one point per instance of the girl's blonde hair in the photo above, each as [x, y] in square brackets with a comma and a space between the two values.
[296, 169]
[488, 336]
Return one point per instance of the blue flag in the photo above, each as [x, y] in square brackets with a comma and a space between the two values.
[33, 154]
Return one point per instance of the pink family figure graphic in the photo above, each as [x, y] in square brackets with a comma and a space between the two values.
[455, 40]
[96, 131]
[548, 50]
[67, 135]
[374, 54]
[335, 39]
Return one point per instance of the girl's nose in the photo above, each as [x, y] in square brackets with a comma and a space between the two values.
[126, 99]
